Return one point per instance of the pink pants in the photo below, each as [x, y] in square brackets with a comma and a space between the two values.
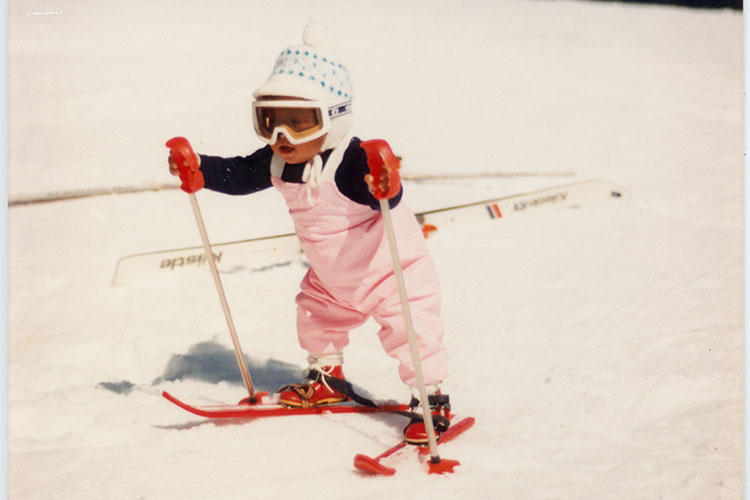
[351, 277]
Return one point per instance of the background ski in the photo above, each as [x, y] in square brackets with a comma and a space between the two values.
[270, 251]
[76, 194]
[375, 466]
[241, 410]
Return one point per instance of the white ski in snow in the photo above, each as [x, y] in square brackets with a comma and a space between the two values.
[271, 251]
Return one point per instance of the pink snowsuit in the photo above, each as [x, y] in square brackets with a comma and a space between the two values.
[351, 274]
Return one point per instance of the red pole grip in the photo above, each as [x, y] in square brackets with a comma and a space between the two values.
[187, 163]
[379, 157]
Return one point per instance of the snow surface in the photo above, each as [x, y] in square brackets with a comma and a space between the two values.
[600, 349]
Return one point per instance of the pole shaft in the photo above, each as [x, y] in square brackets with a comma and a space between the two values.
[385, 209]
[222, 297]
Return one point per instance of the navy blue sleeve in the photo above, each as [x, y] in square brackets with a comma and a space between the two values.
[238, 175]
[350, 178]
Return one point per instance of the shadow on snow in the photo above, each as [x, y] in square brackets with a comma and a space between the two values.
[213, 363]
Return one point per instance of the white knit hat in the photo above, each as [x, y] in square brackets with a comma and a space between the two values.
[313, 71]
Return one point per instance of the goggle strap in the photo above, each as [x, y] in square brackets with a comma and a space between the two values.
[340, 109]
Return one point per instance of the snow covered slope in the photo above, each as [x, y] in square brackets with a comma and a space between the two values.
[600, 350]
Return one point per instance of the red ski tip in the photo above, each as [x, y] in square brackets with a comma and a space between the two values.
[442, 466]
[367, 464]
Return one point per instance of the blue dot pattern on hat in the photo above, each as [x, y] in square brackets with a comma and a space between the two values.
[309, 65]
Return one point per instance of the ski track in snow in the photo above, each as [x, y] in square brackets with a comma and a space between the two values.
[600, 350]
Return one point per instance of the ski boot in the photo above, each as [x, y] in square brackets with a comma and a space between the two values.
[324, 387]
[416, 432]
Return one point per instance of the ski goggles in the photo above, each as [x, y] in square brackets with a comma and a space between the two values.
[299, 121]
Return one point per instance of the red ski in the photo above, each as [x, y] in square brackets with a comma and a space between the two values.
[375, 465]
[246, 410]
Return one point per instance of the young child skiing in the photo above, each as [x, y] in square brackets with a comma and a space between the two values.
[303, 112]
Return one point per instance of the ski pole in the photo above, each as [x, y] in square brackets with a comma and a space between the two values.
[183, 152]
[222, 298]
[379, 152]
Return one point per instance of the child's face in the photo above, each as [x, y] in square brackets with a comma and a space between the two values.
[294, 153]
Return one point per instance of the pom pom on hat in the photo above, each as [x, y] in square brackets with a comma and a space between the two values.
[318, 34]
[315, 72]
